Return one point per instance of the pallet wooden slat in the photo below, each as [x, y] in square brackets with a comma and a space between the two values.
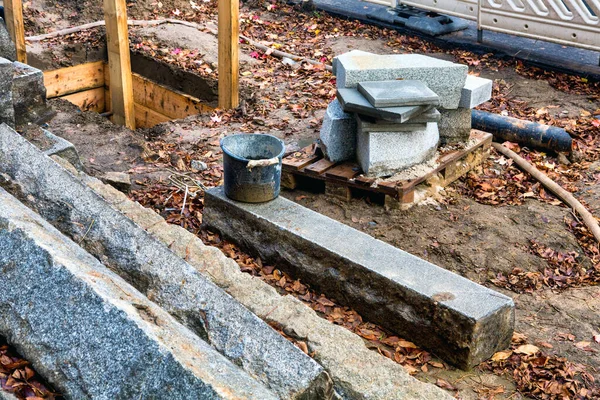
[344, 171]
[319, 167]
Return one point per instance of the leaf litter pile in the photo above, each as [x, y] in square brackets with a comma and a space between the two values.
[301, 88]
[18, 377]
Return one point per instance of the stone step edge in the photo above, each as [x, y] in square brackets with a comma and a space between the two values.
[356, 372]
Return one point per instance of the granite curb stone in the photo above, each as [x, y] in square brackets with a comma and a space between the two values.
[475, 92]
[90, 333]
[462, 322]
[398, 93]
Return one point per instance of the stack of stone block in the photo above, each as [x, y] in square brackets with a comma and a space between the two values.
[385, 112]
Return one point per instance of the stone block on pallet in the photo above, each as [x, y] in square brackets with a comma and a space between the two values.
[91, 334]
[462, 322]
[7, 112]
[397, 93]
[445, 78]
[338, 133]
[385, 153]
[455, 125]
[366, 124]
[29, 95]
[475, 92]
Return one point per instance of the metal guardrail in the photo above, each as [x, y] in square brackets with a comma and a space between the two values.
[569, 22]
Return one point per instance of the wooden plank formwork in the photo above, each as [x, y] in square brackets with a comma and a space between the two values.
[87, 86]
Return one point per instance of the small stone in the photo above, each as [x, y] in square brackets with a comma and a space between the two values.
[385, 153]
[352, 101]
[198, 166]
[338, 134]
[455, 125]
[475, 92]
[398, 93]
[119, 180]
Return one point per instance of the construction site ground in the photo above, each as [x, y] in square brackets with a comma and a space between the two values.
[497, 226]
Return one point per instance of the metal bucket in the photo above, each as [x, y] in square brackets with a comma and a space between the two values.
[252, 167]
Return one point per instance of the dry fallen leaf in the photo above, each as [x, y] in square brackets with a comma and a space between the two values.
[501, 355]
[527, 349]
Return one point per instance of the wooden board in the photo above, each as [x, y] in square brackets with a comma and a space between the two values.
[13, 15]
[228, 65]
[119, 63]
[88, 100]
[147, 118]
[75, 79]
[165, 101]
[344, 171]
[319, 167]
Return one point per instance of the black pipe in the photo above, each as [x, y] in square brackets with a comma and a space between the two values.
[527, 133]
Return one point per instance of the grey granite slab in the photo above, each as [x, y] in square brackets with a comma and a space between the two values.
[475, 92]
[7, 71]
[352, 101]
[398, 93]
[445, 78]
[462, 322]
[379, 125]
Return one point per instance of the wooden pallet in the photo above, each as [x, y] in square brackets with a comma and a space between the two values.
[340, 178]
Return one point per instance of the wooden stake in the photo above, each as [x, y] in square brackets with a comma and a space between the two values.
[228, 53]
[13, 13]
[119, 63]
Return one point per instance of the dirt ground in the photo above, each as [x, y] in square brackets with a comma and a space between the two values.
[457, 231]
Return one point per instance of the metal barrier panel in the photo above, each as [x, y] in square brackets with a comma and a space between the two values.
[569, 22]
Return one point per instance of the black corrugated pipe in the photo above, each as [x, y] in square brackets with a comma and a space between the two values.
[527, 133]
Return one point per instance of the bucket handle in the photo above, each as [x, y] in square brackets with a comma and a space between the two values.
[262, 163]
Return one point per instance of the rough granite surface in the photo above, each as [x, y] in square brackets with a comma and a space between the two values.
[385, 153]
[8, 49]
[455, 125]
[90, 333]
[29, 94]
[462, 322]
[358, 372]
[338, 133]
[7, 112]
[445, 78]
[157, 272]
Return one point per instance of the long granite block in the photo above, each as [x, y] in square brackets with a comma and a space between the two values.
[338, 133]
[475, 92]
[455, 125]
[383, 153]
[7, 112]
[445, 78]
[461, 321]
[91, 334]
[144, 262]
[381, 125]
